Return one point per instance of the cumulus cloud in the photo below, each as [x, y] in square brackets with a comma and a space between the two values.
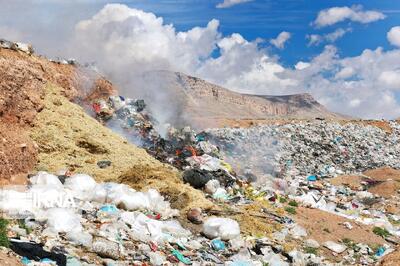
[244, 67]
[337, 34]
[344, 73]
[126, 43]
[363, 86]
[394, 36]
[391, 79]
[334, 15]
[229, 3]
[301, 65]
[123, 37]
[281, 39]
[316, 39]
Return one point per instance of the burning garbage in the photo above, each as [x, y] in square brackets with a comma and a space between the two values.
[274, 163]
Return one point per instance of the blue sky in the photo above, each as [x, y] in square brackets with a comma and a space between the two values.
[267, 18]
[345, 53]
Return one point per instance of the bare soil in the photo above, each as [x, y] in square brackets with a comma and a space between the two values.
[22, 79]
[323, 226]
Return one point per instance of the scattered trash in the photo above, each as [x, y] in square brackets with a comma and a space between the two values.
[180, 257]
[212, 186]
[106, 249]
[312, 178]
[108, 209]
[297, 231]
[17, 46]
[311, 243]
[103, 164]
[223, 228]
[335, 247]
[197, 178]
[35, 252]
[348, 225]
[380, 251]
[195, 215]
[217, 244]
[25, 261]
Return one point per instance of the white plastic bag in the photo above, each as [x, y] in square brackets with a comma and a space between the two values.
[46, 179]
[63, 220]
[224, 228]
[82, 186]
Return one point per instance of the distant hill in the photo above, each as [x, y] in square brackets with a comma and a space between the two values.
[206, 103]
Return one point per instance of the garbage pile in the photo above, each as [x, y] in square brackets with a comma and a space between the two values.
[320, 148]
[72, 220]
[17, 46]
[306, 158]
[193, 153]
[262, 153]
[271, 163]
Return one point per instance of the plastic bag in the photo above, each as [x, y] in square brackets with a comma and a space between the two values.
[43, 178]
[223, 228]
[63, 220]
[82, 185]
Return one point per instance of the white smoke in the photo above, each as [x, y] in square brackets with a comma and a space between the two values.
[126, 43]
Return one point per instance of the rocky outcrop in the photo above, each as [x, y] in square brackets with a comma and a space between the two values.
[207, 102]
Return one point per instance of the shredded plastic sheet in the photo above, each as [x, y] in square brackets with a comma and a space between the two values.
[223, 228]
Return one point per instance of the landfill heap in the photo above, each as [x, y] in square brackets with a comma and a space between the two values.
[320, 148]
[182, 148]
[272, 195]
[69, 219]
[295, 162]
[259, 154]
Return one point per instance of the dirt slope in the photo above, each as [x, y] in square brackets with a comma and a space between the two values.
[21, 81]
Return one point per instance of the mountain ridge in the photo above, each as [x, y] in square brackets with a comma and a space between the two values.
[202, 100]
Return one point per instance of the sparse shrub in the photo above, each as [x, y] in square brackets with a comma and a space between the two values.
[382, 232]
[293, 203]
[4, 241]
[311, 250]
[282, 200]
[290, 210]
[349, 243]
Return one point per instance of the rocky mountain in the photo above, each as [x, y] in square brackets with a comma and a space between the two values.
[206, 104]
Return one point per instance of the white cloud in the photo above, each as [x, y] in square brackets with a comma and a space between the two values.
[301, 65]
[352, 85]
[337, 34]
[126, 42]
[281, 39]
[391, 79]
[394, 36]
[316, 39]
[141, 41]
[345, 73]
[229, 3]
[334, 15]
[355, 103]
[243, 67]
